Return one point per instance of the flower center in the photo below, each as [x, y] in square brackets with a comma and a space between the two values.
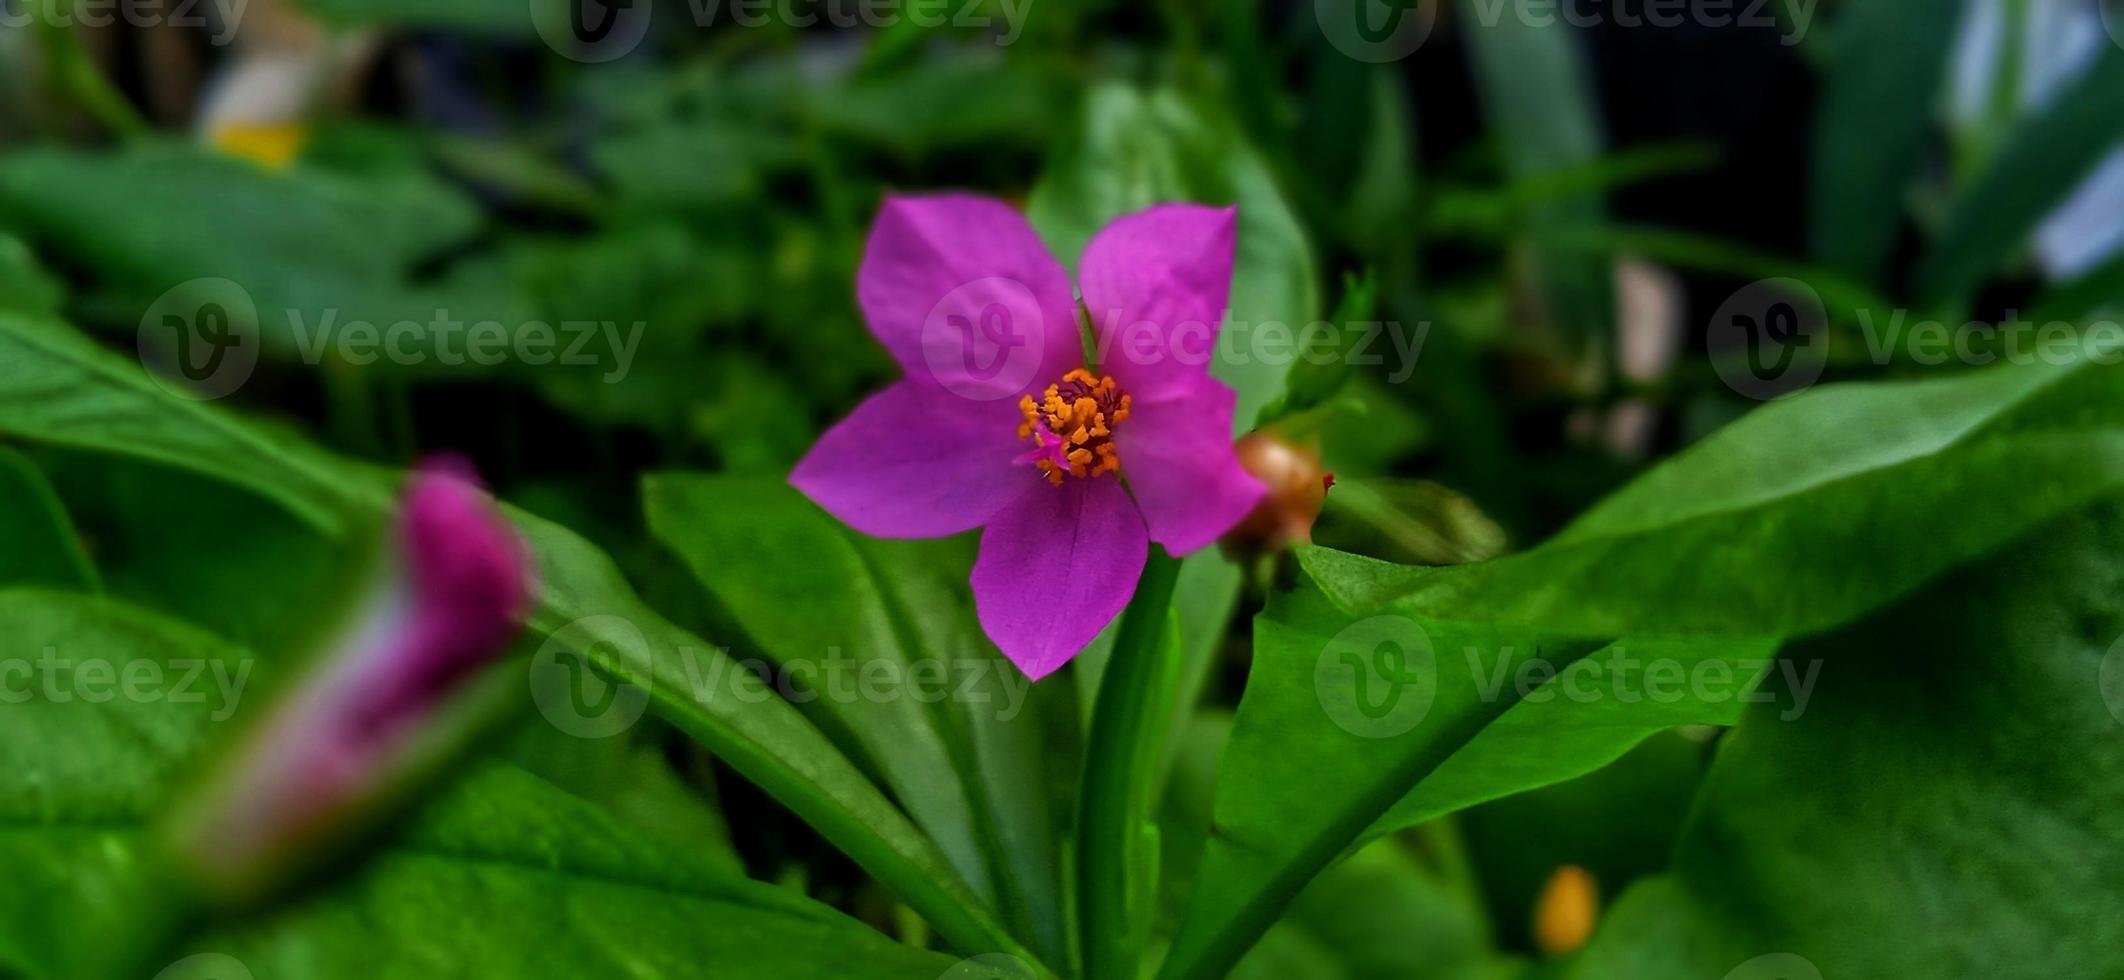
[1071, 426]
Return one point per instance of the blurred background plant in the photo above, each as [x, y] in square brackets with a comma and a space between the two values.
[1538, 220]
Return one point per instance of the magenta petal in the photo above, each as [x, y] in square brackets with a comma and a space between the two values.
[963, 294]
[1156, 285]
[1055, 567]
[1178, 457]
[916, 461]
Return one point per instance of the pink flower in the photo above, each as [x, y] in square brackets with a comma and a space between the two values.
[1000, 424]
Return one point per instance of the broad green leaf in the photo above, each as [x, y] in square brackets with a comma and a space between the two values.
[1954, 813]
[1325, 745]
[57, 387]
[324, 267]
[505, 875]
[1887, 65]
[1911, 468]
[1137, 149]
[827, 622]
[1538, 95]
[38, 542]
[2043, 159]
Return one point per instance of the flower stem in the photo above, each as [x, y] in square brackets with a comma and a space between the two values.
[1117, 846]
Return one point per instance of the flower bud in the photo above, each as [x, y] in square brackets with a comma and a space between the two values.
[1297, 489]
[377, 710]
[1566, 911]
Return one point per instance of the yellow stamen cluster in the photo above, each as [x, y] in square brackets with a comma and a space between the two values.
[1082, 410]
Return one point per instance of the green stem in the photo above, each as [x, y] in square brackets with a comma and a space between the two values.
[1115, 866]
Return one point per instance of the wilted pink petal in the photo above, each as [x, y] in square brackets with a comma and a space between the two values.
[1055, 567]
[963, 294]
[1180, 462]
[1156, 284]
[915, 461]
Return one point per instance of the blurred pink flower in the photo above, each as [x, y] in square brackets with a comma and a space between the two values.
[339, 742]
[999, 424]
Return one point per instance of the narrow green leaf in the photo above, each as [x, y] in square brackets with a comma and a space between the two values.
[2043, 160]
[1538, 96]
[41, 546]
[1887, 66]
[826, 621]
[1116, 883]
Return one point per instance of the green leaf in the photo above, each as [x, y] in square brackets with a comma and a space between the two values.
[1020, 773]
[1916, 469]
[2044, 158]
[493, 18]
[505, 875]
[1817, 837]
[25, 287]
[320, 251]
[1538, 96]
[42, 546]
[1887, 65]
[56, 386]
[826, 621]
[1134, 150]
[1124, 754]
[1839, 463]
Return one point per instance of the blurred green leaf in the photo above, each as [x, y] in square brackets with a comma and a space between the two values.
[1134, 150]
[504, 875]
[25, 287]
[57, 387]
[41, 545]
[1886, 71]
[1538, 95]
[2042, 161]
